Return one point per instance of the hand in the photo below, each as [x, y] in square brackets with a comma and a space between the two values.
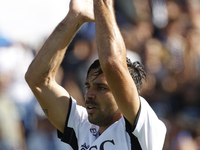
[83, 8]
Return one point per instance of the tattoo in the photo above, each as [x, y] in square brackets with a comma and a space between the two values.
[46, 112]
[46, 73]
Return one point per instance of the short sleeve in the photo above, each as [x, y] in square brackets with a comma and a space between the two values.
[149, 130]
[76, 115]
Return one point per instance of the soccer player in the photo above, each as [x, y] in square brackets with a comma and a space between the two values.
[115, 117]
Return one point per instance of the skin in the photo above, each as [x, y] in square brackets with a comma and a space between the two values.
[120, 92]
[100, 103]
[112, 56]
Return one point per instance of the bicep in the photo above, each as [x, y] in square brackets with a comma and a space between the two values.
[54, 100]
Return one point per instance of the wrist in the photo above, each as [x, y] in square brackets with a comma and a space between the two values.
[73, 18]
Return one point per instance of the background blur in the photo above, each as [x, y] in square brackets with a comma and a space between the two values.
[162, 34]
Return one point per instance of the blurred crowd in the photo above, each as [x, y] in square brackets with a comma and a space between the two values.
[162, 34]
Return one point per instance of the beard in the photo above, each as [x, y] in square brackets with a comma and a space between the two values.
[101, 118]
[103, 115]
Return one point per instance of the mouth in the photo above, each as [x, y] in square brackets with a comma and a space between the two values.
[91, 106]
[90, 109]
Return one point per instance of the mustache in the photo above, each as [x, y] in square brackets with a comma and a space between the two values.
[92, 102]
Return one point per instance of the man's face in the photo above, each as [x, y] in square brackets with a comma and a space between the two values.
[100, 103]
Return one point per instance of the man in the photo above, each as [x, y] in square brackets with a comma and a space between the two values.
[115, 116]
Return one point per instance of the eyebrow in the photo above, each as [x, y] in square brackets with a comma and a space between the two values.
[96, 83]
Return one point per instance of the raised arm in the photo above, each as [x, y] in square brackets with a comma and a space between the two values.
[112, 56]
[40, 76]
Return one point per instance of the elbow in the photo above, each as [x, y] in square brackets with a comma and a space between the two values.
[36, 83]
[29, 78]
[107, 64]
[111, 64]
[33, 80]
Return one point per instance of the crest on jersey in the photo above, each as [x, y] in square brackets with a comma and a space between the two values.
[94, 132]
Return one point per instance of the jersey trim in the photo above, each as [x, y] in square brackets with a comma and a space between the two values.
[146, 132]
[135, 144]
[136, 118]
[70, 137]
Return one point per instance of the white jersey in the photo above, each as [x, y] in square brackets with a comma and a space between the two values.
[148, 132]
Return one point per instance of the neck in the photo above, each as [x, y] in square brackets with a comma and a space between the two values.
[103, 128]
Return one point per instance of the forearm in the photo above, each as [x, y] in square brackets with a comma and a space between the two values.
[47, 61]
[112, 56]
[108, 37]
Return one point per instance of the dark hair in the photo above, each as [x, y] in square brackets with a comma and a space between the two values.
[95, 65]
[136, 70]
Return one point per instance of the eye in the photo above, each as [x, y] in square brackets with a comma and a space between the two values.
[87, 87]
[102, 88]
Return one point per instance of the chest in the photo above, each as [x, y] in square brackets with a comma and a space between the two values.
[114, 138]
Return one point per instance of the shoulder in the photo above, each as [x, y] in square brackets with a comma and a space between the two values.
[75, 107]
[149, 127]
[147, 115]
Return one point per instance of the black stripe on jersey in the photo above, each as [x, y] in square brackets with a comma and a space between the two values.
[69, 137]
[135, 145]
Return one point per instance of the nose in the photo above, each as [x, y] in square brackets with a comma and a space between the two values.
[89, 95]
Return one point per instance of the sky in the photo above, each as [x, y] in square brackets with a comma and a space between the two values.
[30, 21]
